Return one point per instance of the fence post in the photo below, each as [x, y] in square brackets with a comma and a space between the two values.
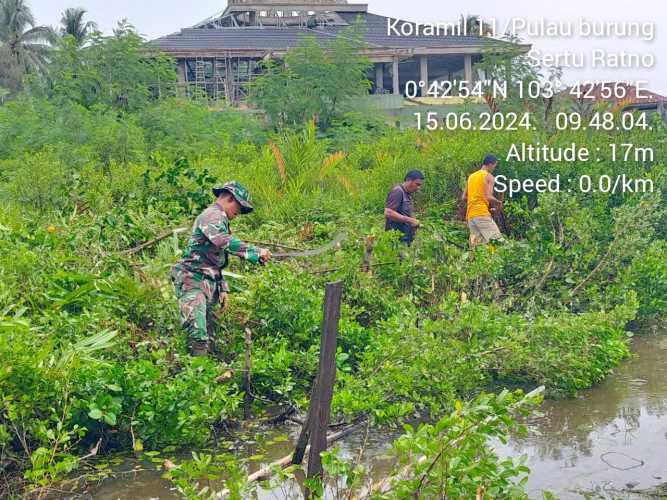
[368, 254]
[319, 413]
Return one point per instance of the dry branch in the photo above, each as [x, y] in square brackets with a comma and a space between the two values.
[600, 265]
[155, 240]
[268, 471]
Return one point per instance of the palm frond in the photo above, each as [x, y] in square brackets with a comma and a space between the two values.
[72, 23]
[83, 349]
[280, 161]
[38, 34]
[331, 162]
[15, 18]
[345, 182]
[34, 58]
[25, 46]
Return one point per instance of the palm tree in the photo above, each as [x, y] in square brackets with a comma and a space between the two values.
[72, 23]
[23, 45]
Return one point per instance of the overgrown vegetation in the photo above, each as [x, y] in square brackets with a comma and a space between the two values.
[92, 356]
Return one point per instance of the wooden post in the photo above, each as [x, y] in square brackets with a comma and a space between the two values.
[247, 400]
[368, 254]
[319, 413]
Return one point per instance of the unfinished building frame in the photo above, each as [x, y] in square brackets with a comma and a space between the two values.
[220, 56]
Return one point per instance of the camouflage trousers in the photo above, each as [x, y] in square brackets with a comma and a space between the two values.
[197, 296]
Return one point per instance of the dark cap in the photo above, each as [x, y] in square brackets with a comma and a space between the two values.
[240, 194]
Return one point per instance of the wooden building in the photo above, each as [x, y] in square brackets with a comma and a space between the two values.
[221, 54]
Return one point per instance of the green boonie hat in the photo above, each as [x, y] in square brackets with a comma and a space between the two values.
[240, 194]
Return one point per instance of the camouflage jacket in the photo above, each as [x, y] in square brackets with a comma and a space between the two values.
[211, 243]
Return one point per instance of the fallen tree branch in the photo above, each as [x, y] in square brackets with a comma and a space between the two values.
[296, 420]
[547, 272]
[93, 450]
[268, 471]
[534, 289]
[284, 415]
[155, 240]
[334, 269]
[180, 230]
[600, 265]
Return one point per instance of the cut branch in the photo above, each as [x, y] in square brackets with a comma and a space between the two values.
[155, 240]
[600, 265]
[268, 471]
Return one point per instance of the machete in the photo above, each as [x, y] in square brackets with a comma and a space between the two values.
[334, 244]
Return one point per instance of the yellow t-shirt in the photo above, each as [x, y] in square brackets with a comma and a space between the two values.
[477, 204]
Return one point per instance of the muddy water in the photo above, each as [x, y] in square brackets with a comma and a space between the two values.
[612, 438]
[141, 480]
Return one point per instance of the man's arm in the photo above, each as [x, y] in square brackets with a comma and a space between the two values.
[489, 184]
[218, 234]
[392, 205]
[396, 217]
[245, 250]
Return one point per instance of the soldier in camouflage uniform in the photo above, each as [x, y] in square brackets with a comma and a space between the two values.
[197, 277]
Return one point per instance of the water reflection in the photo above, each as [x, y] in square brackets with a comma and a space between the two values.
[599, 438]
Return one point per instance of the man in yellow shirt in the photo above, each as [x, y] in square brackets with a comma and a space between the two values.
[480, 199]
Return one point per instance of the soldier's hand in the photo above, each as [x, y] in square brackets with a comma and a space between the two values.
[224, 300]
[264, 256]
[415, 223]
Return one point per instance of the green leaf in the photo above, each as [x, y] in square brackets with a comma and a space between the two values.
[95, 414]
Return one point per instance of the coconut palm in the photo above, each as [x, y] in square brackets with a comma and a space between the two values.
[72, 23]
[23, 45]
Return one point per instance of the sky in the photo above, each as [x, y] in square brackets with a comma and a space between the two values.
[645, 53]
